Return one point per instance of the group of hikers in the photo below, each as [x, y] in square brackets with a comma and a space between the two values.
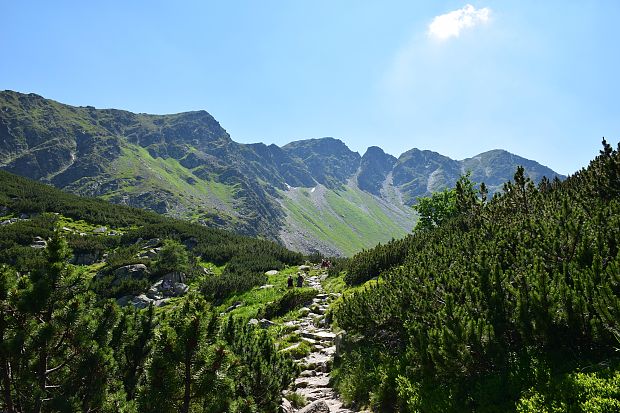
[300, 280]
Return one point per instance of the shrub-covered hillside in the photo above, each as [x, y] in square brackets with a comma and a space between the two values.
[66, 345]
[512, 304]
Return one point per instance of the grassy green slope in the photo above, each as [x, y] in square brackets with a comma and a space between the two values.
[139, 172]
[347, 219]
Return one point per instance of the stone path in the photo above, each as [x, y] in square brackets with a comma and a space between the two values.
[313, 382]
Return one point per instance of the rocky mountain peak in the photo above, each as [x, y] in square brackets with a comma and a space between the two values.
[329, 160]
[375, 165]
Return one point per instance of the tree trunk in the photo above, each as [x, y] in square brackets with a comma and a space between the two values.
[6, 387]
[187, 381]
[6, 379]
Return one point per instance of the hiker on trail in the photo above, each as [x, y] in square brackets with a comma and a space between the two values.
[290, 281]
[300, 280]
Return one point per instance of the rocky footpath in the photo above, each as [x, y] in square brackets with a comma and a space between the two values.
[313, 381]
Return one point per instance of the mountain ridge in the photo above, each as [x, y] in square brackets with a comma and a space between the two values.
[187, 165]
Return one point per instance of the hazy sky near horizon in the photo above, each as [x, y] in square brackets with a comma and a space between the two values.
[539, 79]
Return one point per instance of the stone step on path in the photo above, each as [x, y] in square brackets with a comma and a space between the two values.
[313, 381]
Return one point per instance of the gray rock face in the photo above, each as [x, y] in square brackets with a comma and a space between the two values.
[131, 271]
[151, 243]
[55, 147]
[180, 289]
[175, 277]
[374, 168]
[286, 406]
[124, 300]
[317, 407]
[141, 301]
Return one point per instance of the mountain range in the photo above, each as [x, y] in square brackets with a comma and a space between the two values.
[311, 195]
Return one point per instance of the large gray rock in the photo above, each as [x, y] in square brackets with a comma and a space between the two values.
[135, 271]
[124, 300]
[154, 242]
[175, 277]
[318, 406]
[141, 301]
[286, 406]
[180, 289]
[338, 341]
[85, 258]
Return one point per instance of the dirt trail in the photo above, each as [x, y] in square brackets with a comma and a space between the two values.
[313, 382]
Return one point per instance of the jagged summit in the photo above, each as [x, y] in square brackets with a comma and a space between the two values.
[187, 165]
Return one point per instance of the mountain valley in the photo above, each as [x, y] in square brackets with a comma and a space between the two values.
[313, 195]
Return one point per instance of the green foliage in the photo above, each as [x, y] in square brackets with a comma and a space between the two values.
[297, 400]
[172, 257]
[189, 368]
[575, 392]
[290, 301]
[437, 208]
[264, 372]
[64, 347]
[490, 302]
[55, 353]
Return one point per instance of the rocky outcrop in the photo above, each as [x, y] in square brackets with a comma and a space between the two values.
[374, 168]
[158, 294]
[135, 271]
[316, 407]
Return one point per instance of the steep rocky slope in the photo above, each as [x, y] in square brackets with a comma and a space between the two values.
[312, 195]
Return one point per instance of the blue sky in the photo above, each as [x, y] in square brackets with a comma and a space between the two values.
[539, 79]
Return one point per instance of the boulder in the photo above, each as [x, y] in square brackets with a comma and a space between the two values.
[150, 254]
[286, 406]
[153, 242]
[304, 268]
[338, 341]
[264, 323]
[180, 289]
[272, 272]
[100, 230]
[131, 271]
[253, 321]
[318, 406]
[264, 287]
[124, 300]
[160, 303]
[174, 277]
[154, 293]
[141, 301]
